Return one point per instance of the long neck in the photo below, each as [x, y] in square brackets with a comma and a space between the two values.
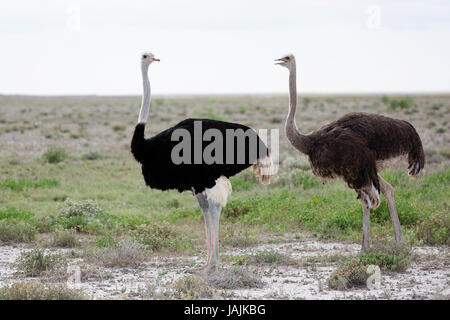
[298, 140]
[145, 105]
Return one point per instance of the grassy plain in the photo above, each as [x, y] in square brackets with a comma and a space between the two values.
[65, 163]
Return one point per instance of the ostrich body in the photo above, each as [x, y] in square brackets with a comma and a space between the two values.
[356, 147]
[208, 182]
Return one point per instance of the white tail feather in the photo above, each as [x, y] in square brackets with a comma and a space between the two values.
[264, 169]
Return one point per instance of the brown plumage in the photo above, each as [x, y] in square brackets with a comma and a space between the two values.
[351, 147]
[355, 148]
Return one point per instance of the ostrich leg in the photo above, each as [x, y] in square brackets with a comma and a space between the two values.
[214, 211]
[369, 198]
[211, 213]
[366, 225]
[204, 207]
[388, 191]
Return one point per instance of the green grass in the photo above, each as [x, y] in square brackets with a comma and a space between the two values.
[23, 184]
[335, 213]
[330, 211]
[16, 232]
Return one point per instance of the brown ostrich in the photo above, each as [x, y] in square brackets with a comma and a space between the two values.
[355, 148]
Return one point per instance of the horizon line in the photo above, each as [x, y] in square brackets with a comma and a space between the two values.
[368, 93]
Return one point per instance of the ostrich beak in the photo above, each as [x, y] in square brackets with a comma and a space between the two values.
[155, 59]
[281, 61]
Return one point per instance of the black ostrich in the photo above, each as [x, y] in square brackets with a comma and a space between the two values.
[207, 180]
[355, 148]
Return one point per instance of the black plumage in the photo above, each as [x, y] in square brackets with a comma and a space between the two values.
[160, 172]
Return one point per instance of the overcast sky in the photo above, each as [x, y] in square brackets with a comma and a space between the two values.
[93, 47]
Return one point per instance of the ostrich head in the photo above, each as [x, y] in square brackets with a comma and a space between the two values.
[287, 61]
[147, 58]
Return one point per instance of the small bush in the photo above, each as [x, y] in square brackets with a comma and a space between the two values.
[173, 203]
[92, 155]
[401, 103]
[435, 229]
[84, 216]
[236, 236]
[388, 255]
[349, 274]
[55, 154]
[234, 278]
[127, 253]
[36, 263]
[157, 237]
[65, 238]
[87, 208]
[272, 257]
[87, 216]
[16, 231]
[37, 291]
[385, 99]
[118, 126]
[192, 288]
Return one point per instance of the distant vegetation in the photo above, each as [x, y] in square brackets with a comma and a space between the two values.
[402, 103]
[55, 154]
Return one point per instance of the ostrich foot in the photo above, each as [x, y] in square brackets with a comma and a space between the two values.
[210, 269]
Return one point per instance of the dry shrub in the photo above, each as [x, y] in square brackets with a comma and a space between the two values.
[350, 274]
[37, 263]
[127, 253]
[234, 278]
[192, 287]
[34, 290]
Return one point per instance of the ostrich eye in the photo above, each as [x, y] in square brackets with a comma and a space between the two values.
[144, 56]
[287, 58]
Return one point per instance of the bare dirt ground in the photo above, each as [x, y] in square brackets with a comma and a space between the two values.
[428, 277]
